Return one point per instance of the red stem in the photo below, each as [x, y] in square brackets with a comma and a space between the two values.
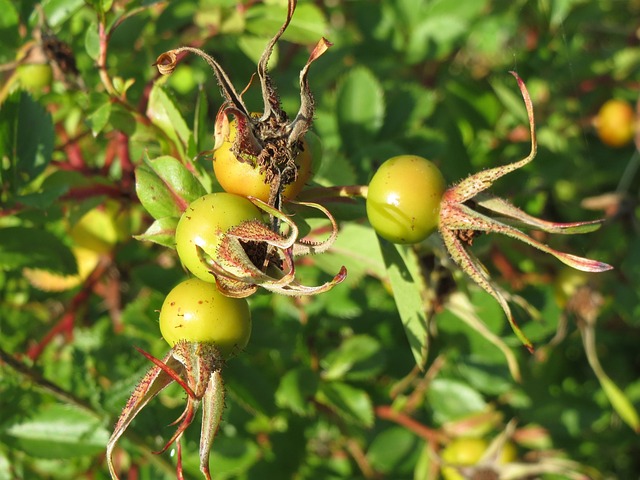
[67, 321]
[80, 193]
[387, 413]
[122, 148]
[72, 150]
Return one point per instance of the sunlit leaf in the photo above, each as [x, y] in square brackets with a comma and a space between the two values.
[452, 399]
[26, 138]
[163, 111]
[161, 231]
[295, 390]
[361, 107]
[407, 285]
[358, 358]
[307, 26]
[350, 403]
[165, 187]
[58, 432]
[35, 248]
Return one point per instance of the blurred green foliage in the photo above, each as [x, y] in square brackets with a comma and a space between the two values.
[328, 386]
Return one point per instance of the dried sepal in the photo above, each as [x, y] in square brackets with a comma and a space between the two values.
[194, 366]
[252, 254]
[476, 183]
[503, 207]
[212, 407]
[458, 223]
[237, 277]
[270, 97]
[478, 273]
[270, 143]
[308, 247]
[461, 217]
[303, 120]
[166, 64]
[221, 128]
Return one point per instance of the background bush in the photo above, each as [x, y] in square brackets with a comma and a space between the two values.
[328, 386]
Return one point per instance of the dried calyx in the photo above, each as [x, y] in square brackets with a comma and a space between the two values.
[271, 141]
[252, 255]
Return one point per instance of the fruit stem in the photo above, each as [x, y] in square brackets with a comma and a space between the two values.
[334, 193]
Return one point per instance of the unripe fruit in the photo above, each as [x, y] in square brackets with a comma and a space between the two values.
[196, 311]
[34, 77]
[203, 225]
[246, 179]
[403, 200]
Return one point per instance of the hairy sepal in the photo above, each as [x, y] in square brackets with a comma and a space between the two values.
[192, 365]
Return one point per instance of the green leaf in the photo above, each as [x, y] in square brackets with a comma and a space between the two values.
[620, 403]
[58, 12]
[393, 449]
[350, 403]
[252, 47]
[9, 17]
[163, 112]
[355, 248]
[166, 187]
[92, 41]
[461, 306]
[26, 139]
[250, 387]
[336, 169]
[100, 118]
[307, 26]
[60, 431]
[360, 107]
[52, 188]
[616, 396]
[358, 358]
[296, 389]
[451, 400]
[406, 283]
[35, 248]
[106, 5]
[5, 463]
[161, 231]
[233, 456]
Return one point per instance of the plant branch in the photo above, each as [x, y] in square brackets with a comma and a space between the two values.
[386, 412]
